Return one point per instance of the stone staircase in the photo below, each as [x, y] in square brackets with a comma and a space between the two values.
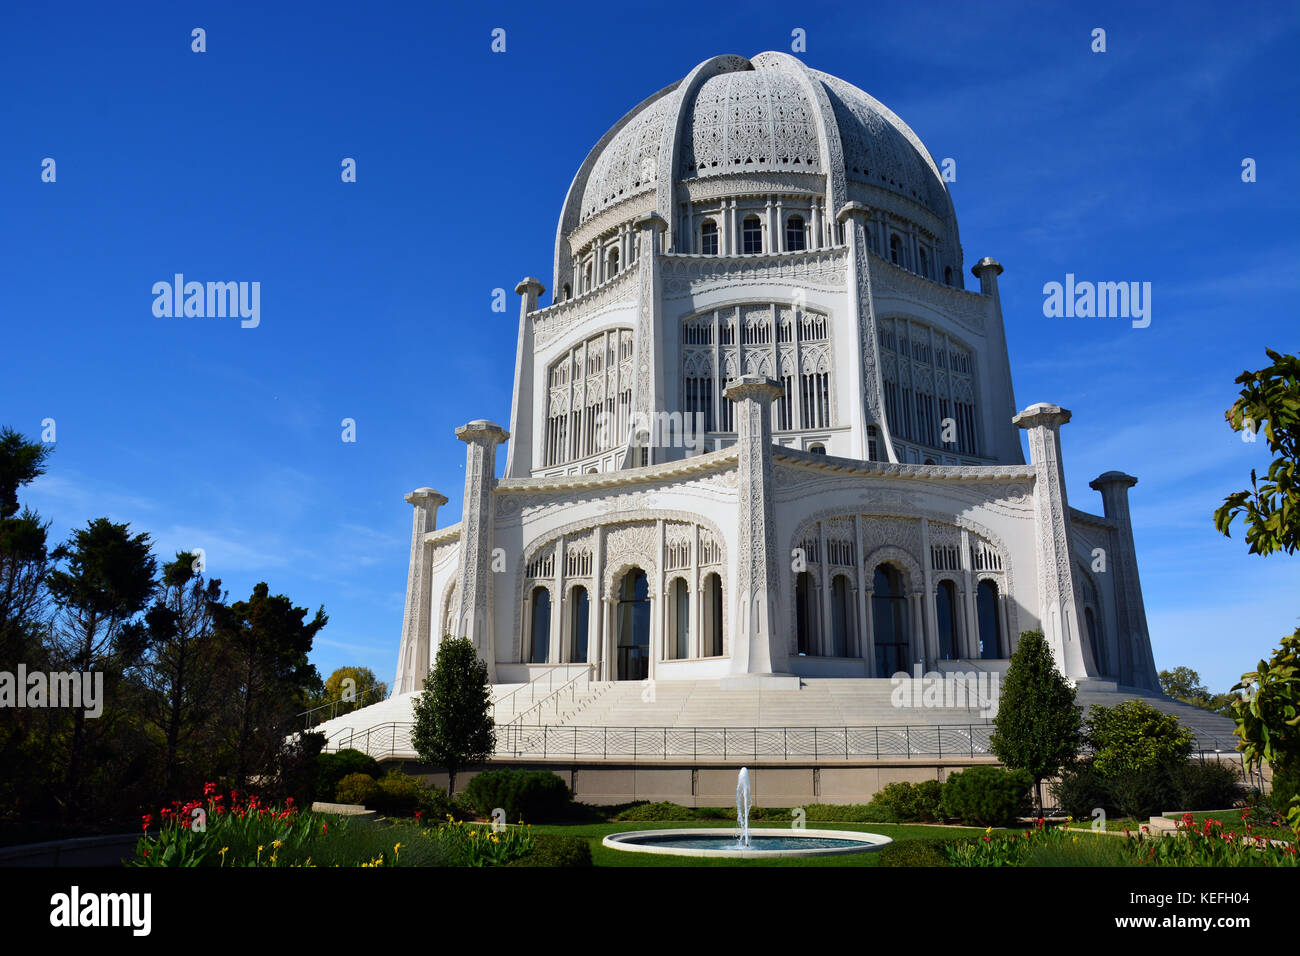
[823, 702]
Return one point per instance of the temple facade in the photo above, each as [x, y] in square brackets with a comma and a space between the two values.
[762, 433]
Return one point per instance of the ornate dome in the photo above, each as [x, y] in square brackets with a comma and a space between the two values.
[771, 113]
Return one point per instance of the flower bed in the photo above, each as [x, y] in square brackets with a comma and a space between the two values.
[239, 833]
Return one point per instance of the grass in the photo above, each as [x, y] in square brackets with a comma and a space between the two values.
[604, 856]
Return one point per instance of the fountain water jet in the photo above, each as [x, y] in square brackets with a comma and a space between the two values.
[743, 803]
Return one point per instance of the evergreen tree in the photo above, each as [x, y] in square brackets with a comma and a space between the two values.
[268, 641]
[1037, 727]
[453, 716]
[107, 581]
[183, 660]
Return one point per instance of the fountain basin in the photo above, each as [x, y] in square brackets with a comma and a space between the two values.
[768, 843]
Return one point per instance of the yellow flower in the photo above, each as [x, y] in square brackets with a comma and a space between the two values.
[1075, 840]
[277, 844]
[989, 830]
[261, 848]
[397, 847]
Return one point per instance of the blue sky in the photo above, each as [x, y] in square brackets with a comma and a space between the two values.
[376, 295]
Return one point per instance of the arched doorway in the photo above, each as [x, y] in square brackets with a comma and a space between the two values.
[540, 628]
[634, 626]
[986, 607]
[889, 621]
[579, 616]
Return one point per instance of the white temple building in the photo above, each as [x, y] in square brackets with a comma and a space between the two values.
[763, 454]
[763, 431]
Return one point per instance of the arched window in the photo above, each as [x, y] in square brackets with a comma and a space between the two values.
[751, 235]
[945, 613]
[612, 263]
[986, 604]
[712, 616]
[539, 631]
[568, 291]
[947, 275]
[679, 622]
[1098, 647]
[634, 626]
[806, 613]
[579, 620]
[842, 618]
[889, 621]
[709, 237]
[586, 277]
[896, 251]
[817, 448]
[925, 263]
[794, 236]
[873, 448]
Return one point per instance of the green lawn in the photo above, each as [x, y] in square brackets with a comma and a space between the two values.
[604, 856]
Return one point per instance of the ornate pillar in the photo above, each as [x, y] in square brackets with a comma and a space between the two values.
[927, 583]
[870, 410]
[475, 575]
[996, 441]
[648, 374]
[417, 630]
[1137, 665]
[521, 454]
[1058, 598]
[761, 649]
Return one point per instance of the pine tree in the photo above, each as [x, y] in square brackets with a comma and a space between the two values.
[1037, 727]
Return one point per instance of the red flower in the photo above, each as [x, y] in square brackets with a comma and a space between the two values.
[324, 828]
[288, 801]
[146, 821]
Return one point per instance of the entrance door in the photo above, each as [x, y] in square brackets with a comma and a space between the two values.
[634, 626]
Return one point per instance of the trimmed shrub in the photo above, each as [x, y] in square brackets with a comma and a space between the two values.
[1081, 790]
[1139, 793]
[987, 796]
[910, 802]
[398, 794]
[333, 767]
[1208, 785]
[641, 812]
[357, 788]
[914, 853]
[553, 850]
[532, 795]
[1133, 737]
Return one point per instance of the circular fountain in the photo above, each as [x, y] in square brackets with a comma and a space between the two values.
[743, 842]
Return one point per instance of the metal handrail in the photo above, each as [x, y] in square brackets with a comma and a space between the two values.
[334, 704]
[585, 674]
[530, 685]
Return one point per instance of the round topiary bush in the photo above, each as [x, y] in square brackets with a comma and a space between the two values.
[397, 794]
[333, 767]
[535, 796]
[358, 788]
[987, 796]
